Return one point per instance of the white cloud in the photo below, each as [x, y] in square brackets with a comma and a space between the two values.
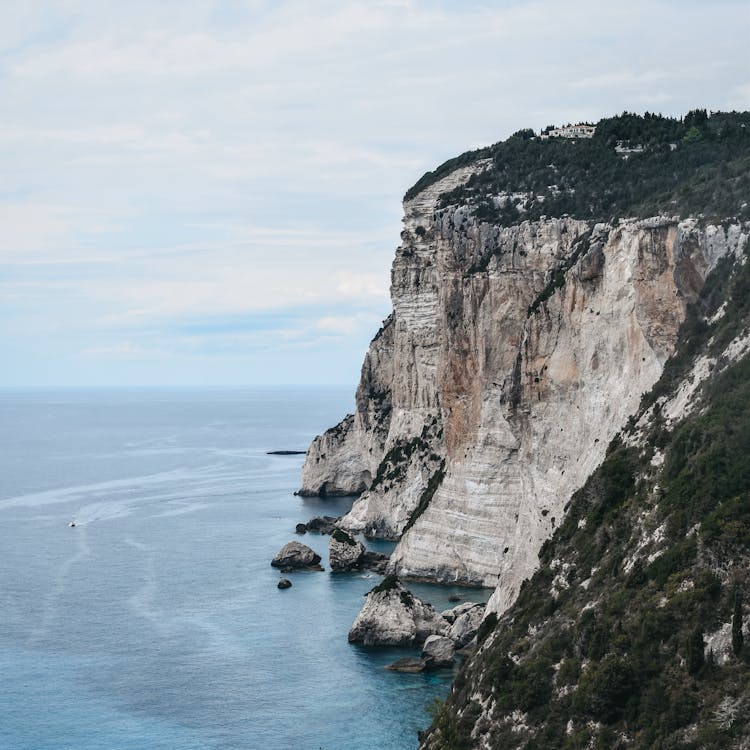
[203, 158]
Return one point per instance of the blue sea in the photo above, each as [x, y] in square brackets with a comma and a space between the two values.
[156, 622]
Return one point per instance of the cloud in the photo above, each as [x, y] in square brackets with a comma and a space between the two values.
[197, 160]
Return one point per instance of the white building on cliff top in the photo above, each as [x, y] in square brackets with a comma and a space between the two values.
[571, 131]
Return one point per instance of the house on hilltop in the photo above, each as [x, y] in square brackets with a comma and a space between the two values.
[581, 130]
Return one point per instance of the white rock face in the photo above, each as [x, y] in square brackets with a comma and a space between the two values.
[512, 358]
[395, 617]
[438, 651]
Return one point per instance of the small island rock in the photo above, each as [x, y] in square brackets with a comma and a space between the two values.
[301, 528]
[284, 583]
[393, 616]
[296, 555]
[345, 553]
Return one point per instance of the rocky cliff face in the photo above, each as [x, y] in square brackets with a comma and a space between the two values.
[512, 358]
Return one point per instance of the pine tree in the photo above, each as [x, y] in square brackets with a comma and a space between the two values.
[695, 649]
[737, 637]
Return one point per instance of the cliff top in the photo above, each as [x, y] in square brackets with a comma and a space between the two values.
[634, 165]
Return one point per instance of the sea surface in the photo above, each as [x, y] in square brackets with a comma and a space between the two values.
[156, 622]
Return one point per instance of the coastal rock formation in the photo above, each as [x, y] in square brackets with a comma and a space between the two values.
[465, 624]
[513, 356]
[438, 651]
[344, 552]
[296, 556]
[392, 616]
[284, 583]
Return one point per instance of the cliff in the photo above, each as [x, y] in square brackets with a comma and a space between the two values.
[519, 344]
[633, 631]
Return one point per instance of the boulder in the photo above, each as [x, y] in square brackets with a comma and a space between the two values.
[322, 524]
[454, 598]
[393, 616]
[408, 664]
[284, 583]
[374, 561]
[466, 624]
[438, 651]
[301, 528]
[344, 552]
[294, 556]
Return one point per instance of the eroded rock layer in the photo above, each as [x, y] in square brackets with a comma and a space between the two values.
[511, 359]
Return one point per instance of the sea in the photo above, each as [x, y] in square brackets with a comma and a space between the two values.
[156, 622]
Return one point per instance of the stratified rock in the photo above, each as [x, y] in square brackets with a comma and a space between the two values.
[468, 444]
[344, 552]
[466, 624]
[284, 583]
[438, 651]
[296, 555]
[393, 616]
[300, 528]
[408, 664]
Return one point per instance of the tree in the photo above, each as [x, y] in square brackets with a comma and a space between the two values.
[737, 637]
[695, 649]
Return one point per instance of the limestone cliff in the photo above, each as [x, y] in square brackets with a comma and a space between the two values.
[513, 356]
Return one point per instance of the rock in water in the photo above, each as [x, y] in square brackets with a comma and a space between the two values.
[296, 555]
[407, 664]
[284, 583]
[438, 651]
[322, 524]
[345, 553]
[301, 528]
[393, 616]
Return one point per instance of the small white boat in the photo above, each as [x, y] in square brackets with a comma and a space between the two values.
[72, 523]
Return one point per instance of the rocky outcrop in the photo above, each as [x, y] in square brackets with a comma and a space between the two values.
[345, 553]
[322, 524]
[284, 583]
[296, 556]
[465, 621]
[393, 616]
[512, 358]
[438, 651]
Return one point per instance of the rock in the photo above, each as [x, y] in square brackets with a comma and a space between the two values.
[375, 561]
[454, 598]
[285, 453]
[408, 664]
[322, 524]
[466, 624]
[393, 616]
[284, 583]
[344, 552]
[438, 651]
[296, 555]
[301, 528]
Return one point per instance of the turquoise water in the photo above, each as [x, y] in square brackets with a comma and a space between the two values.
[156, 621]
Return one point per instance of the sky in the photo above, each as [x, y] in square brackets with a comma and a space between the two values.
[206, 192]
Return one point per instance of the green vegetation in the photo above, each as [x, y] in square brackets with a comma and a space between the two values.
[424, 499]
[697, 165]
[387, 584]
[342, 537]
